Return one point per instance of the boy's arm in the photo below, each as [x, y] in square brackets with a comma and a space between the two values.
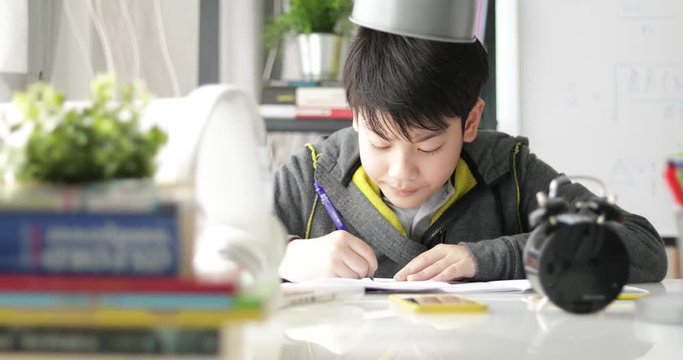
[293, 192]
[502, 258]
[337, 254]
[645, 248]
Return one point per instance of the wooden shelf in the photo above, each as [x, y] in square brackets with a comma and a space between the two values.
[308, 125]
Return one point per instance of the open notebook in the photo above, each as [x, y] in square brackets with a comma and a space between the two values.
[390, 285]
[386, 284]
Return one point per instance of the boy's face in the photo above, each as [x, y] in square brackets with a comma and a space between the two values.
[409, 172]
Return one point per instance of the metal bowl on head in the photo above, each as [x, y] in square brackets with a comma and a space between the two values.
[440, 20]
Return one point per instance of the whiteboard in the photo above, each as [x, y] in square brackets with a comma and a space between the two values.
[601, 94]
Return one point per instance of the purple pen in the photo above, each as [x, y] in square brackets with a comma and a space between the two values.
[329, 207]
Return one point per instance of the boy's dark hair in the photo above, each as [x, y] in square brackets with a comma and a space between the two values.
[419, 83]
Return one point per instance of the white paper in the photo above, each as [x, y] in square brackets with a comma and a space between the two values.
[518, 286]
[512, 286]
[301, 293]
[391, 284]
[384, 284]
[387, 284]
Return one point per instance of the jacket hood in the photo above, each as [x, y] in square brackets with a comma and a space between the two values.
[483, 154]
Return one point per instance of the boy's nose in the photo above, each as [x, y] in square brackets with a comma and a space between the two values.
[402, 167]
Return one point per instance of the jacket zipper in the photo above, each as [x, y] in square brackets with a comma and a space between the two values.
[450, 215]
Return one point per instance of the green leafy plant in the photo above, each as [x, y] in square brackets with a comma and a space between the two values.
[97, 142]
[309, 16]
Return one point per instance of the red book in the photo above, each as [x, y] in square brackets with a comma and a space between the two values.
[34, 283]
[323, 113]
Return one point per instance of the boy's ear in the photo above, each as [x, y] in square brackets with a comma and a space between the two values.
[473, 119]
[355, 123]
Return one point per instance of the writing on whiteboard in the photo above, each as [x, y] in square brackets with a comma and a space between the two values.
[631, 174]
[644, 83]
[655, 88]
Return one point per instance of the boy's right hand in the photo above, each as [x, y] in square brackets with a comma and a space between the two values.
[337, 254]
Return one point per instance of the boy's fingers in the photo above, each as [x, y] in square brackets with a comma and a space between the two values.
[417, 264]
[430, 271]
[453, 272]
[344, 271]
[364, 250]
[356, 263]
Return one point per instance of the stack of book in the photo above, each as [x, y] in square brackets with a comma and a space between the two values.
[118, 315]
[304, 100]
[108, 281]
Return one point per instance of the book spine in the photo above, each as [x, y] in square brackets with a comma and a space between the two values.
[302, 83]
[96, 284]
[90, 243]
[278, 95]
[166, 301]
[270, 111]
[324, 113]
[128, 195]
[330, 97]
[168, 341]
[128, 318]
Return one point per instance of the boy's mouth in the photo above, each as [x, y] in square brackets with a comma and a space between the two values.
[402, 192]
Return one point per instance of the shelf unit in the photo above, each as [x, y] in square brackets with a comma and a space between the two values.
[307, 125]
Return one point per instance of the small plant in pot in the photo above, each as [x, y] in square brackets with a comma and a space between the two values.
[78, 195]
[320, 26]
[75, 148]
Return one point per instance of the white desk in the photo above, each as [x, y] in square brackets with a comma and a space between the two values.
[367, 328]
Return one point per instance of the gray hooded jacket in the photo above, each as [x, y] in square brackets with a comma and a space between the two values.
[491, 220]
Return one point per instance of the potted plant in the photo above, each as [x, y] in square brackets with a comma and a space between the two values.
[77, 194]
[54, 148]
[319, 26]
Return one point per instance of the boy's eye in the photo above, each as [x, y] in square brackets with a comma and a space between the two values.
[379, 147]
[432, 151]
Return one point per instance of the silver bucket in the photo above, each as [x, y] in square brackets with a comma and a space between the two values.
[441, 20]
[319, 56]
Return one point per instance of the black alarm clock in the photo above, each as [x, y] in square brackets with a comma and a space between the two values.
[573, 256]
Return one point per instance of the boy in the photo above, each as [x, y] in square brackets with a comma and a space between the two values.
[422, 193]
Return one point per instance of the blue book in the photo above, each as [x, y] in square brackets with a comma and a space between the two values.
[303, 83]
[90, 243]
